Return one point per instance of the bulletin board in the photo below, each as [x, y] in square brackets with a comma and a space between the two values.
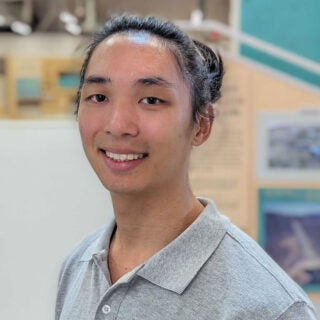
[40, 87]
[226, 168]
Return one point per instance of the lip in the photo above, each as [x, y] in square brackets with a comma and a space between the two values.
[124, 165]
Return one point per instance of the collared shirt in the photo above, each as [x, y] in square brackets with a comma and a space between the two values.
[210, 271]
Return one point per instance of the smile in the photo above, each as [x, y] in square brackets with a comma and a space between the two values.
[124, 157]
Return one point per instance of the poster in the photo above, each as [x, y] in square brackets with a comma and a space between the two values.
[289, 230]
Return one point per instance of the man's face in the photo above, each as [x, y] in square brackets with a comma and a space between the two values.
[135, 116]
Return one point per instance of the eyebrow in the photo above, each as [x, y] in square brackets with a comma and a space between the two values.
[154, 81]
[148, 81]
[96, 80]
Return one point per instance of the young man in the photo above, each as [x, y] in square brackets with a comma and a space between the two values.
[145, 101]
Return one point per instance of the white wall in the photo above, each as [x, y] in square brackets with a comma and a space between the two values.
[49, 199]
[43, 45]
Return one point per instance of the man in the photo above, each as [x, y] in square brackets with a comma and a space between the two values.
[145, 100]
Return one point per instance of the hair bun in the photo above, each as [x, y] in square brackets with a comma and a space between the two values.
[214, 65]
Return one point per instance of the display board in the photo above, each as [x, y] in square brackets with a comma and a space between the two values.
[39, 87]
[226, 167]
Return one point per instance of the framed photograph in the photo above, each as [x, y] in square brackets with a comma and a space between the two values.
[288, 146]
[289, 230]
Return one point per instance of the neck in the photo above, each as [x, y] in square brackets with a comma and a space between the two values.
[154, 216]
[146, 224]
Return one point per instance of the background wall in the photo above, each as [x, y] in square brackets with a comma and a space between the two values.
[290, 24]
[50, 199]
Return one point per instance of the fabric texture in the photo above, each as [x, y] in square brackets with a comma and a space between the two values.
[211, 271]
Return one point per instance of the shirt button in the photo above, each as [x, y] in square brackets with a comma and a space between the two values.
[106, 309]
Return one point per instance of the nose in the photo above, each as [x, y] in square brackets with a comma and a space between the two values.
[121, 120]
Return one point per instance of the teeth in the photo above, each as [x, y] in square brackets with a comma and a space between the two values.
[123, 157]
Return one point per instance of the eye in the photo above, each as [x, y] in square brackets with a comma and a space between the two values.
[152, 100]
[98, 98]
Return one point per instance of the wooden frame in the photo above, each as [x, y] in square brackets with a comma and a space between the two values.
[43, 76]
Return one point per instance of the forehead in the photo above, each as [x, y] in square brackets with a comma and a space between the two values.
[134, 51]
[139, 38]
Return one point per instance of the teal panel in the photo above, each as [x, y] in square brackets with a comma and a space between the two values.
[28, 88]
[70, 80]
[293, 25]
[289, 221]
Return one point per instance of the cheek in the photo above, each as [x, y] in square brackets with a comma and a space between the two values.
[185, 127]
[88, 126]
[173, 134]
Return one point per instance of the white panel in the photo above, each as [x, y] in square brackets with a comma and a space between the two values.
[49, 199]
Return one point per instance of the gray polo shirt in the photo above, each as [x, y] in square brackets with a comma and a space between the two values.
[211, 271]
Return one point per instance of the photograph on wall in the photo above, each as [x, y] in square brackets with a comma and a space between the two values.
[288, 146]
[289, 230]
[294, 145]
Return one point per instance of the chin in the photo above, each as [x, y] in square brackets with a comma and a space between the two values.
[122, 188]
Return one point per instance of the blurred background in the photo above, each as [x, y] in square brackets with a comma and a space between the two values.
[261, 165]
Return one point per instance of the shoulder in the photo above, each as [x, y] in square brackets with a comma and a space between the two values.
[81, 253]
[250, 256]
[242, 281]
[253, 281]
[75, 264]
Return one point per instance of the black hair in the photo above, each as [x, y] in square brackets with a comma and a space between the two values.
[199, 65]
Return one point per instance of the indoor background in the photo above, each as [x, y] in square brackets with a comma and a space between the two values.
[262, 163]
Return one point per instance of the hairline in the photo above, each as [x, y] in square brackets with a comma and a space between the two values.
[167, 43]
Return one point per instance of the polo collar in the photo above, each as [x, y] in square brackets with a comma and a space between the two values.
[101, 243]
[175, 266]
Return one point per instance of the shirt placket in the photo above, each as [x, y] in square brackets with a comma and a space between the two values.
[109, 305]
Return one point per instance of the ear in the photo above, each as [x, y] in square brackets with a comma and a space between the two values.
[203, 126]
